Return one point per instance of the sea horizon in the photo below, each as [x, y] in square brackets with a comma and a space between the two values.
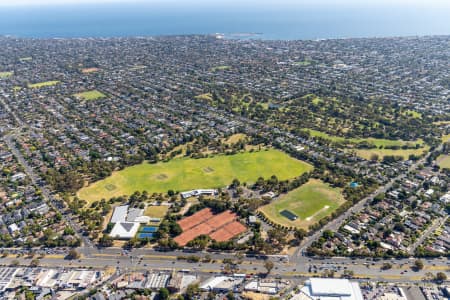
[300, 22]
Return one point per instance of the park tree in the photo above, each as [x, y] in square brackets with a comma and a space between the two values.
[418, 264]
[73, 254]
[374, 157]
[235, 183]
[268, 264]
[105, 241]
[191, 291]
[163, 294]
[441, 277]
[328, 234]
[299, 234]
[34, 262]
[230, 296]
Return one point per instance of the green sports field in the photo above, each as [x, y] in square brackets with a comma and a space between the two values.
[413, 114]
[405, 153]
[184, 174]
[5, 74]
[443, 161]
[90, 95]
[367, 153]
[220, 68]
[310, 202]
[156, 211]
[42, 84]
[374, 141]
[446, 138]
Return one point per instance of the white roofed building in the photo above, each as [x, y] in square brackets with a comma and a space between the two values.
[124, 230]
[331, 289]
[196, 193]
[221, 284]
[13, 228]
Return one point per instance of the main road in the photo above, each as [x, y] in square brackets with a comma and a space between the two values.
[304, 267]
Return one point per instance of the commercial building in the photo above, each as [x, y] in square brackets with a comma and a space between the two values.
[221, 284]
[331, 289]
[265, 286]
[6, 276]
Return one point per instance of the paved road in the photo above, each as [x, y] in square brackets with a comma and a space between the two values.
[305, 267]
[427, 232]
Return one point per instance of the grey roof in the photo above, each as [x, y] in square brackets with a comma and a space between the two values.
[413, 292]
[134, 213]
[127, 226]
[120, 214]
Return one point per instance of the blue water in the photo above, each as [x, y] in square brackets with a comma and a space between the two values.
[282, 19]
[149, 229]
[354, 185]
[145, 235]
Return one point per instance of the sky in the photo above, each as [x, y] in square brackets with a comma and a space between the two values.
[427, 3]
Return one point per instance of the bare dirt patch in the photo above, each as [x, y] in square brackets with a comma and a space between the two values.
[161, 176]
[208, 170]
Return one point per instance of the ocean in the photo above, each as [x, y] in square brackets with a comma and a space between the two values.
[269, 21]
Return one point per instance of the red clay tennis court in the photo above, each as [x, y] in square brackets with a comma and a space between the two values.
[235, 228]
[220, 227]
[195, 219]
[221, 219]
[228, 231]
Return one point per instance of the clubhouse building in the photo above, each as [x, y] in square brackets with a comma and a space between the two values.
[127, 222]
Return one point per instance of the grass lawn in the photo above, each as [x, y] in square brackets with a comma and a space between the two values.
[374, 141]
[154, 211]
[303, 63]
[310, 202]
[207, 97]
[367, 153]
[441, 123]
[443, 161]
[6, 74]
[233, 139]
[317, 101]
[413, 114]
[90, 95]
[446, 138]
[220, 68]
[184, 174]
[42, 84]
